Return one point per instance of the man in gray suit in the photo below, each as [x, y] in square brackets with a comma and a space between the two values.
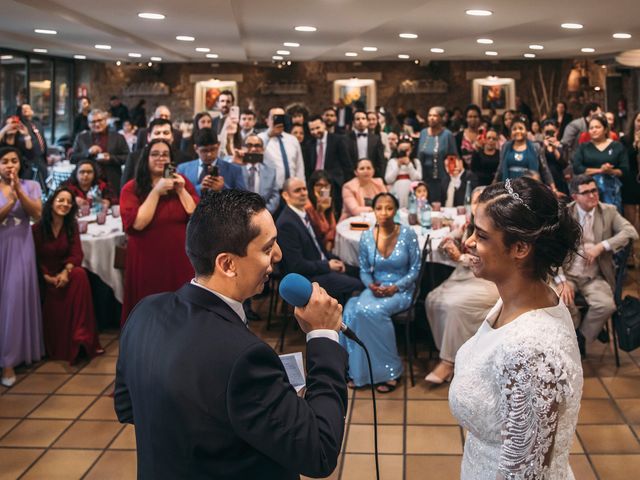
[592, 273]
[258, 177]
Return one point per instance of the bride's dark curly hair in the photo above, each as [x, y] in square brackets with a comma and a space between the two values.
[530, 213]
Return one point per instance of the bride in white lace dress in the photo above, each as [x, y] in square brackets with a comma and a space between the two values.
[518, 381]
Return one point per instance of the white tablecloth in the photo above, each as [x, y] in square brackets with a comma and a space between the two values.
[347, 245]
[99, 246]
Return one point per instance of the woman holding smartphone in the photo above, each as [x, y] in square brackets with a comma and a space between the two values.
[155, 209]
[321, 210]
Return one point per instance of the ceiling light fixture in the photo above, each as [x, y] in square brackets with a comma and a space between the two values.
[484, 41]
[40, 50]
[185, 38]
[305, 28]
[572, 26]
[45, 31]
[283, 52]
[587, 50]
[623, 36]
[437, 50]
[369, 49]
[151, 16]
[403, 56]
[212, 55]
[350, 54]
[277, 57]
[203, 49]
[408, 35]
[118, 63]
[135, 55]
[103, 47]
[156, 59]
[536, 47]
[80, 57]
[529, 55]
[291, 44]
[6, 57]
[491, 53]
[479, 13]
[597, 89]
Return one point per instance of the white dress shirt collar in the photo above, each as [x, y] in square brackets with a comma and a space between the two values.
[235, 305]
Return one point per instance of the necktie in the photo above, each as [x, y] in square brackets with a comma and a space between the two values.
[252, 178]
[587, 229]
[285, 160]
[39, 138]
[320, 155]
[203, 173]
[307, 224]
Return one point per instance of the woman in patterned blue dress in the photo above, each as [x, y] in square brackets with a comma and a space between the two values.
[389, 266]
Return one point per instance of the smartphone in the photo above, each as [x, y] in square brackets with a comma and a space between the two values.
[235, 112]
[214, 171]
[253, 157]
[325, 192]
[169, 170]
[278, 120]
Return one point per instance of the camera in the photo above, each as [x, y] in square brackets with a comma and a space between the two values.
[169, 171]
[278, 120]
[252, 157]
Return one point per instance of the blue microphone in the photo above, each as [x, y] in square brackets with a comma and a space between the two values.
[296, 290]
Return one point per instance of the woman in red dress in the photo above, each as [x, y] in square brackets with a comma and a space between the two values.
[68, 317]
[155, 211]
[85, 185]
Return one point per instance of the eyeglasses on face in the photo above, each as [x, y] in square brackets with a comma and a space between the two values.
[160, 155]
[592, 191]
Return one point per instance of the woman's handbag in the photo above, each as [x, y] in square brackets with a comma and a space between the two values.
[627, 324]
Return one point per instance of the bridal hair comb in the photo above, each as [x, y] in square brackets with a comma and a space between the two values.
[514, 195]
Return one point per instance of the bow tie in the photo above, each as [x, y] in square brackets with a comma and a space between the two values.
[361, 135]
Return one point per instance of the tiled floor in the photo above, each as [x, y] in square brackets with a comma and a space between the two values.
[58, 422]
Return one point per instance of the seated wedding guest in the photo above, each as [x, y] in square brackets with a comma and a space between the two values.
[202, 171]
[604, 159]
[455, 185]
[258, 177]
[321, 210]
[85, 186]
[20, 314]
[518, 381]
[402, 171]
[200, 120]
[592, 273]
[159, 128]
[155, 209]
[358, 193]
[484, 162]
[457, 307]
[389, 265]
[434, 145]
[108, 149]
[68, 319]
[302, 252]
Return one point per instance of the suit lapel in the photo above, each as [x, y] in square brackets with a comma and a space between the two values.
[210, 302]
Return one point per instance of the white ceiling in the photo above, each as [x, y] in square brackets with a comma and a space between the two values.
[252, 30]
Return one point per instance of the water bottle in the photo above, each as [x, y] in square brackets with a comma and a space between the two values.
[425, 216]
[467, 200]
[97, 200]
[413, 209]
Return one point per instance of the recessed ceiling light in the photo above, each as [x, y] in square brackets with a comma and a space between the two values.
[437, 50]
[212, 55]
[572, 26]
[283, 52]
[479, 13]
[305, 28]
[151, 16]
[491, 53]
[529, 55]
[103, 47]
[536, 47]
[185, 38]
[597, 89]
[203, 49]
[408, 35]
[587, 50]
[277, 57]
[369, 49]
[291, 44]
[485, 41]
[44, 31]
[403, 56]
[156, 59]
[40, 50]
[135, 55]
[80, 57]
[622, 35]
[6, 57]
[118, 63]
[350, 54]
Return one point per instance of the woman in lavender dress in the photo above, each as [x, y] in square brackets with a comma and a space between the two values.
[20, 314]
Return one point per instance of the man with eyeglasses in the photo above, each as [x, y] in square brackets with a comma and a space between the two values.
[592, 272]
[108, 149]
[258, 177]
[208, 172]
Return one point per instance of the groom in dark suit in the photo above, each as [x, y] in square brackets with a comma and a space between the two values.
[364, 143]
[208, 398]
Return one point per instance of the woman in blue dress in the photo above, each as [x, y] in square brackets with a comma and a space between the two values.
[389, 266]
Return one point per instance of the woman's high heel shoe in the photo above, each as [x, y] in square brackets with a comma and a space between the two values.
[435, 379]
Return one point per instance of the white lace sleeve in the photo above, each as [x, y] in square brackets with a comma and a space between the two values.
[533, 383]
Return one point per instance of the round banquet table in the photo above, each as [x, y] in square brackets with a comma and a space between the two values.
[347, 244]
[99, 246]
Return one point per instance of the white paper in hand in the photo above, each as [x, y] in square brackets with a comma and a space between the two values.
[292, 363]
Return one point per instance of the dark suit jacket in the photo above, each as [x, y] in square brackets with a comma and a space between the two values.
[118, 150]
[142, 138]
[375, 151]
[337, 161]
[299, 253]
[133, 159]
[458, 195]
[209, 399]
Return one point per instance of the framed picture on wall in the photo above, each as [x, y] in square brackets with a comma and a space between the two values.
[494, 93]
[207, 93]
[355, 90]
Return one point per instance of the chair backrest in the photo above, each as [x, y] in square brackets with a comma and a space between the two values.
[423, 266]
[621, 267]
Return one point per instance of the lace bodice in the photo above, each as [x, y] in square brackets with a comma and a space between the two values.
[517, 391]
